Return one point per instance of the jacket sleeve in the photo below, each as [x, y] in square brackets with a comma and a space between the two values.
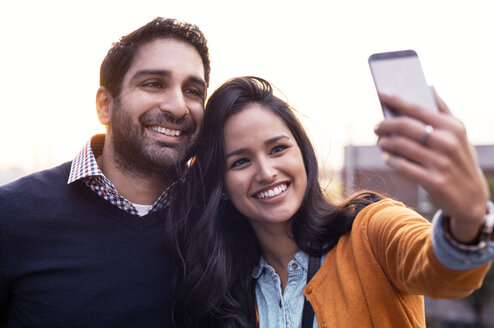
[400, 240]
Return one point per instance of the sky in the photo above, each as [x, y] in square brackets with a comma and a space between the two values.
[314, 52]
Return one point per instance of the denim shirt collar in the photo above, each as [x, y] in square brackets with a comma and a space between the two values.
[301, 258]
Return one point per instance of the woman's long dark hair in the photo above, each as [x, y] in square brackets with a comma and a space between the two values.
[217, 249]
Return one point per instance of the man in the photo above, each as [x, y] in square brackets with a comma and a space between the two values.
[82, 244]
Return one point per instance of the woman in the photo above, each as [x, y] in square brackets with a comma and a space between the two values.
[257, 219]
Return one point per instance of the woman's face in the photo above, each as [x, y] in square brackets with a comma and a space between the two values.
[265, 175]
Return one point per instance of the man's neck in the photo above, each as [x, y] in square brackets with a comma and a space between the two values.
[136, 188]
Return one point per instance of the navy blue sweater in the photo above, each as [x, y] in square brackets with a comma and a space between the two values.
[68, 258]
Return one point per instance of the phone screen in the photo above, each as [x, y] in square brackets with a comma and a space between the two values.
[400, 73]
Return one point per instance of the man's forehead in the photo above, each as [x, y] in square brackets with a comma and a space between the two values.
[168, 55]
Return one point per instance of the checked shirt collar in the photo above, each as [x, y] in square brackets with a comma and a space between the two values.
[84, 167]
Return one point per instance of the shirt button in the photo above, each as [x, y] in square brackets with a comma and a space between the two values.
[308, 289]
[294, 266]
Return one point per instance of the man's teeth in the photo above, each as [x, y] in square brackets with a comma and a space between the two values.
[168, 132]
[271, 193]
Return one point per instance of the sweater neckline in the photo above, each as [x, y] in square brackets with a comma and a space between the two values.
[136, 221]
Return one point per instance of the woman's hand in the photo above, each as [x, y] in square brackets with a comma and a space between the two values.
[432, 149]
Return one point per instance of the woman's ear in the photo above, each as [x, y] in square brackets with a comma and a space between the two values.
[104, 104]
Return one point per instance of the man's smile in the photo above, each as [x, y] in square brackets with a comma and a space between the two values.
[165, 131]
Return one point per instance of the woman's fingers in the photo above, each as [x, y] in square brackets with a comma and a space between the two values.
[410, 150]
[446, 139]
[425, 115]
[432, 149]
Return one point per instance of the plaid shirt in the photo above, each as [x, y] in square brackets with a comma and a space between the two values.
[84, 167]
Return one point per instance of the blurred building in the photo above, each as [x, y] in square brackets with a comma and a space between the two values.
[364, 168]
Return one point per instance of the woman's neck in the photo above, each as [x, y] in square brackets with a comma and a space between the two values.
[278, 248]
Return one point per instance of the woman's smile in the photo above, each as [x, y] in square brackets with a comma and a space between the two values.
[271, 192]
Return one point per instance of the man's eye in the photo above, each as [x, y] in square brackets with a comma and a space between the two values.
[195, 92]
[153, 84]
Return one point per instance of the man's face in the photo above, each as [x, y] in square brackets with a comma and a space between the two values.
[157, 114]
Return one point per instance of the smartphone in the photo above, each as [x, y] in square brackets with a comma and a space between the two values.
[400, 73]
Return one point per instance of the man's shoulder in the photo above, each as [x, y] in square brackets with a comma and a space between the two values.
[37, 181]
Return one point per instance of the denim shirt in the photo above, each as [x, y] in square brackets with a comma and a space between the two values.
[284, 310]
[277, 309]
[452, 257]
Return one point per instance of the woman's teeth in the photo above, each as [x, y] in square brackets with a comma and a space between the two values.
[272, 192]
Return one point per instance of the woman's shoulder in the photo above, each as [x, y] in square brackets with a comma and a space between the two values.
[385, 206]
[387, 212]
[387, 227]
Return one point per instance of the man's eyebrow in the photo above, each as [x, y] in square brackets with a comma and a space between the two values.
[267, 142]
[197, 80]
[166, 73]
[140, 73]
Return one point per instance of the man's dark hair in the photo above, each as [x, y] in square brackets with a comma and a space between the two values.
[121, 54]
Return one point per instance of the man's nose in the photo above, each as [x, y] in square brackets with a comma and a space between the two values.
[173, 102]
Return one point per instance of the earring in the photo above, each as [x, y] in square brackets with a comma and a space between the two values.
[224, 196]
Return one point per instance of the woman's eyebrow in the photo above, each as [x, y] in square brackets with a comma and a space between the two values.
[267, 142]
[275, 139]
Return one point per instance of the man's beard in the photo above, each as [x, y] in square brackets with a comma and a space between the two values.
[139, 154]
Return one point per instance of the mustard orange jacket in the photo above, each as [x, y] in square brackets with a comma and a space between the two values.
[376, 275]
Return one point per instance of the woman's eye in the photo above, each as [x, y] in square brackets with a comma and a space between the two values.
[239, 162]
[278, 148]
